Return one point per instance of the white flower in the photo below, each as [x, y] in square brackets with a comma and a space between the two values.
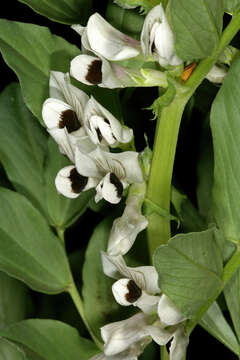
[126, 228]
[102, 38]
[70, 183]
[137, 286]
[157, 38]
[216, 74]
[126, 339]
[102, 127]
[63, 113]
[114, 171]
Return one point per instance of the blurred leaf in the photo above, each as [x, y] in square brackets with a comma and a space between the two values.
[62, 211]
[97, 293]
[14, 300]
[225, 126]
[51, 339]
[205, 172]
[128, 21]
[232, 296]
[231, 5]
[66, 12]
[10, 351]
[32, 51]
[215, 323]
[29, 250]
[190, 269]
[197, 26]
[22, 146]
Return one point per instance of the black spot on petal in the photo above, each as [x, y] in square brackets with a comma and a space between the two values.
[94, 74]
[169, 344]
[78, 181]
[106, 121]
[134, 292]
[117, 183]
[99, 134]
[68, 119]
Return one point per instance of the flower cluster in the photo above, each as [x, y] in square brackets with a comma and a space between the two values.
[86, 133]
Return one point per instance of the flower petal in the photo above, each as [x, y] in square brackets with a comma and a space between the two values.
[109, 42]
[179, 344]
[216, 74]
[168, 312]
[87, 69]
[58, 114]
[126, 292]
[119, 336]
[110, 188]
[62, 138]
[159, 335]
[70, 184]
[113, 265]
[86, 164]
[126, 228]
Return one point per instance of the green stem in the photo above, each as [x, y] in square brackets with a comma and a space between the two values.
[159, 185]
[76, 298]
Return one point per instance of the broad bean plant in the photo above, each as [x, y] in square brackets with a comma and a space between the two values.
[164, 256]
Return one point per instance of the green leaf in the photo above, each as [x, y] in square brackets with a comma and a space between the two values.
[14, 300]
[232, 296]
[127, 21]
[29, 250]
[62, 211]
[215, 323]
[52, 340]
[9, 351]
[225, 128]
[97, 293]
[197, 26]
[231, 5]
[22, 146]
[66, 12]
[32, 51]
[190, 268]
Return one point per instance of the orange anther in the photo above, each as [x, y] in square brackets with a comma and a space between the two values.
[188, 71]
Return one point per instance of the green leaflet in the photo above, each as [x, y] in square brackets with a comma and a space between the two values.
[23, 145]
[62, 211]
[52, 340]
[231, 5]
[215, 323]
[10, 351]
[14, 300]
[66, 12]
[127, 21]
[225, 128]
[197, 26]
[232, 296]
[190, 269]
[29, 250]
[97, 293]
[32, 51]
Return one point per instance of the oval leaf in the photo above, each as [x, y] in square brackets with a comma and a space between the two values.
[189, 269]
[48, 52]
[66, 12]
[225, 126]
[29, 250]
[52, 340]
[197, 26]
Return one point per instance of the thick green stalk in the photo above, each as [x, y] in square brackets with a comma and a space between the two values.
[159, 185]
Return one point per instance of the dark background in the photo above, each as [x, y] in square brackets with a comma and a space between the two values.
[202, 345]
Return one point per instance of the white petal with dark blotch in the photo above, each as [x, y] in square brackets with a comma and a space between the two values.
[168, 312]
[62, 89]
[121, 290]
[108, 41]
[52, 112]
[64, 184]
[62, 138]
[87, 69]
[110, 188]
